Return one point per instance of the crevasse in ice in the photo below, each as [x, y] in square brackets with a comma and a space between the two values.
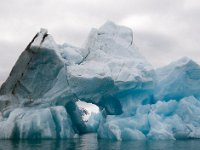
[39, 98]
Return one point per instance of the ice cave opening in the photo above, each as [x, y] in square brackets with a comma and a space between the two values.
[85, 116]
[87, 109]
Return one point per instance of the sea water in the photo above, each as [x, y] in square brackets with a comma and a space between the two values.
[91, 142]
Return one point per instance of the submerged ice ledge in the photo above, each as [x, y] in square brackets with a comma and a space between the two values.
[39, 98]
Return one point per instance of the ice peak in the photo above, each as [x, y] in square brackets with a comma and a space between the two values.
[113, 29]
[37, 41]
[108, 26]
[43, 31]
[184, 60]
[111, 37]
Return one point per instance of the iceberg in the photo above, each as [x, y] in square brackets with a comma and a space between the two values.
[39, 99]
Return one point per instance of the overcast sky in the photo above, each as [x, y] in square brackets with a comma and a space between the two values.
[164, 30]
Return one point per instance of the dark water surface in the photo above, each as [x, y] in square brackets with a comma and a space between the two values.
[90, 142]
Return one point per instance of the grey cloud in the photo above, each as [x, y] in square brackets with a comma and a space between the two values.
[170, 31]
[8, 56]
[160, 42]
[156, 46]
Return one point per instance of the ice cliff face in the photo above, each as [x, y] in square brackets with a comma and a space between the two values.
[38, 100]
